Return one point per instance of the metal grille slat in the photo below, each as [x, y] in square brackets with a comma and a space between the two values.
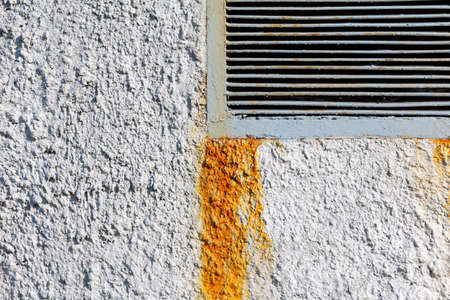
[340, 42]
[271, 25]
[343, 104]
[347, 112]
[335, 52]
[337, 76]
[406, 8]
[332, 57]
[341, 85]
[347, 93]
[316, 67]
[336, 18]
[321, 1]
[335, 34]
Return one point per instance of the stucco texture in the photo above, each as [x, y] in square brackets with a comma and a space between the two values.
[102, 124]
[356, 219]
[97, 163]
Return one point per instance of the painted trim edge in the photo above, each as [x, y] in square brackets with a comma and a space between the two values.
[329, 127]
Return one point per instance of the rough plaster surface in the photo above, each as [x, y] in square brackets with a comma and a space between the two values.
[97, 160]
[98, 163]
[356, 219]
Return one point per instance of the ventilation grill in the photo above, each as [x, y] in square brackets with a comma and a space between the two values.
[316, 57]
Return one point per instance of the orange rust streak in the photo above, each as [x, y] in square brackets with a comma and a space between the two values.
[440, 156]
[229, 183]
[441, 150]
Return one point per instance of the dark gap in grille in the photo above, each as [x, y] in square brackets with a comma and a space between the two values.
[357, 58]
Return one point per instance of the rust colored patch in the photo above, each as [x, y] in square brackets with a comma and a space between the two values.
[441, 150]
[230, 192]
[440, 156]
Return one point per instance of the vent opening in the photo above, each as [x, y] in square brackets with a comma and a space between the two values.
[358, 58]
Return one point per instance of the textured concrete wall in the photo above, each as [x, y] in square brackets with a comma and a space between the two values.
[101, 130]
[98, 159]
[356, 219]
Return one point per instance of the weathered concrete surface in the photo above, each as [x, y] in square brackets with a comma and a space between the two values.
[356, 219]
[97, 160]
[100, 119]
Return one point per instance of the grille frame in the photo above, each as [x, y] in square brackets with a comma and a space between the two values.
[222, 122]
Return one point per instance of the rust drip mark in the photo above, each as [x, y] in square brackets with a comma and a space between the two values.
[230, 193]
[441, 151]
[441, 154]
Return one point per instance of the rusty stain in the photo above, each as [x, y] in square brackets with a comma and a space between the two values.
[441, 154]
[441, 151]
[230, 192]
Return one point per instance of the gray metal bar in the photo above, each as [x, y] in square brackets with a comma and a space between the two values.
[337, 42]
[336, 34]
[334, 8]
[319, 1]
[336, 18]
[370, 67]
[341, 112]
[340, 104]
[342, 85]
[335, 76]
[349, 93]
[281, 51]
[332, 25]
[334, 59]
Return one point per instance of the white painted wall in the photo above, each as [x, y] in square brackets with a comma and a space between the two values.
[101, 118]
[356, 219]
